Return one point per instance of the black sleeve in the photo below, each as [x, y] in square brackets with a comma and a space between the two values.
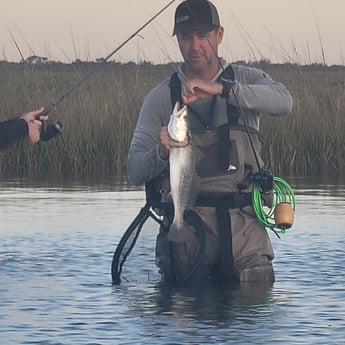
[11, 131]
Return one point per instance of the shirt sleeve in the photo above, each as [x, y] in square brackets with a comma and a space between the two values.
[257, 91]
[143, 161]
[11, 131]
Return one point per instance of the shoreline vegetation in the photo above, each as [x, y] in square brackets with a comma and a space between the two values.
[99, 117]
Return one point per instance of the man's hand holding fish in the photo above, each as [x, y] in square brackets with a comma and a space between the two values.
[167, 142]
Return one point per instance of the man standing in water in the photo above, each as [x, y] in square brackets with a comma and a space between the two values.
[225, 102]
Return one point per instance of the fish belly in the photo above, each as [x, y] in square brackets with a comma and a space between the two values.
[181, 182]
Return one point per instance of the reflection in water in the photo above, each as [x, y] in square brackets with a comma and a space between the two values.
[212, 303]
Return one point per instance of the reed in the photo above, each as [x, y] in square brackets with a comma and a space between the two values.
[309, 142]
[100, 116]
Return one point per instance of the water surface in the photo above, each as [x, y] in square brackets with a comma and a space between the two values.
[56, 249]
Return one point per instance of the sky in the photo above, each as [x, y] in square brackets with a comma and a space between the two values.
[297, 31]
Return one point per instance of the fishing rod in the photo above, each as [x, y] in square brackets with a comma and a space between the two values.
[55, 128]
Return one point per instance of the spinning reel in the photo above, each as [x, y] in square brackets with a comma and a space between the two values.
[52, 131]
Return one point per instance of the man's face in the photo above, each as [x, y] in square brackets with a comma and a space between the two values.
[200, 49]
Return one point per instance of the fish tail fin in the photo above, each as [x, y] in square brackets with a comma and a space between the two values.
[176, 234]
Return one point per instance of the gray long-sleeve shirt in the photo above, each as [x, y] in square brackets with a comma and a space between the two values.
[256, 94]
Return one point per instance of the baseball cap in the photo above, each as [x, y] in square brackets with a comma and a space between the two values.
[199, 15]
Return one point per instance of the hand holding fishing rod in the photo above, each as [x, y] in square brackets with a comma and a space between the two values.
[55, 128]
[34, 120]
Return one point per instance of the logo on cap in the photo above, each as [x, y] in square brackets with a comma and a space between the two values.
[182, 19]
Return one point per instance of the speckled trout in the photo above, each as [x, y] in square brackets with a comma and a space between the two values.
[182, 172]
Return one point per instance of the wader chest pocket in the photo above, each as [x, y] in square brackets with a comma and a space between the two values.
[218, 160]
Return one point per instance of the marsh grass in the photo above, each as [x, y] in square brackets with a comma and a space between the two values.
[311, 141]
[99, 118]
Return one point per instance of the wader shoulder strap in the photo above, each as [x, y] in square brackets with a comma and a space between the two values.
[232, 111]
[229, 73]
[233, 115]
[175, 89]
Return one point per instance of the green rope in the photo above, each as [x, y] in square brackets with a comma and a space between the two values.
[282, 193]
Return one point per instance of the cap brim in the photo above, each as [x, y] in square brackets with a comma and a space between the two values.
[185, 28]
